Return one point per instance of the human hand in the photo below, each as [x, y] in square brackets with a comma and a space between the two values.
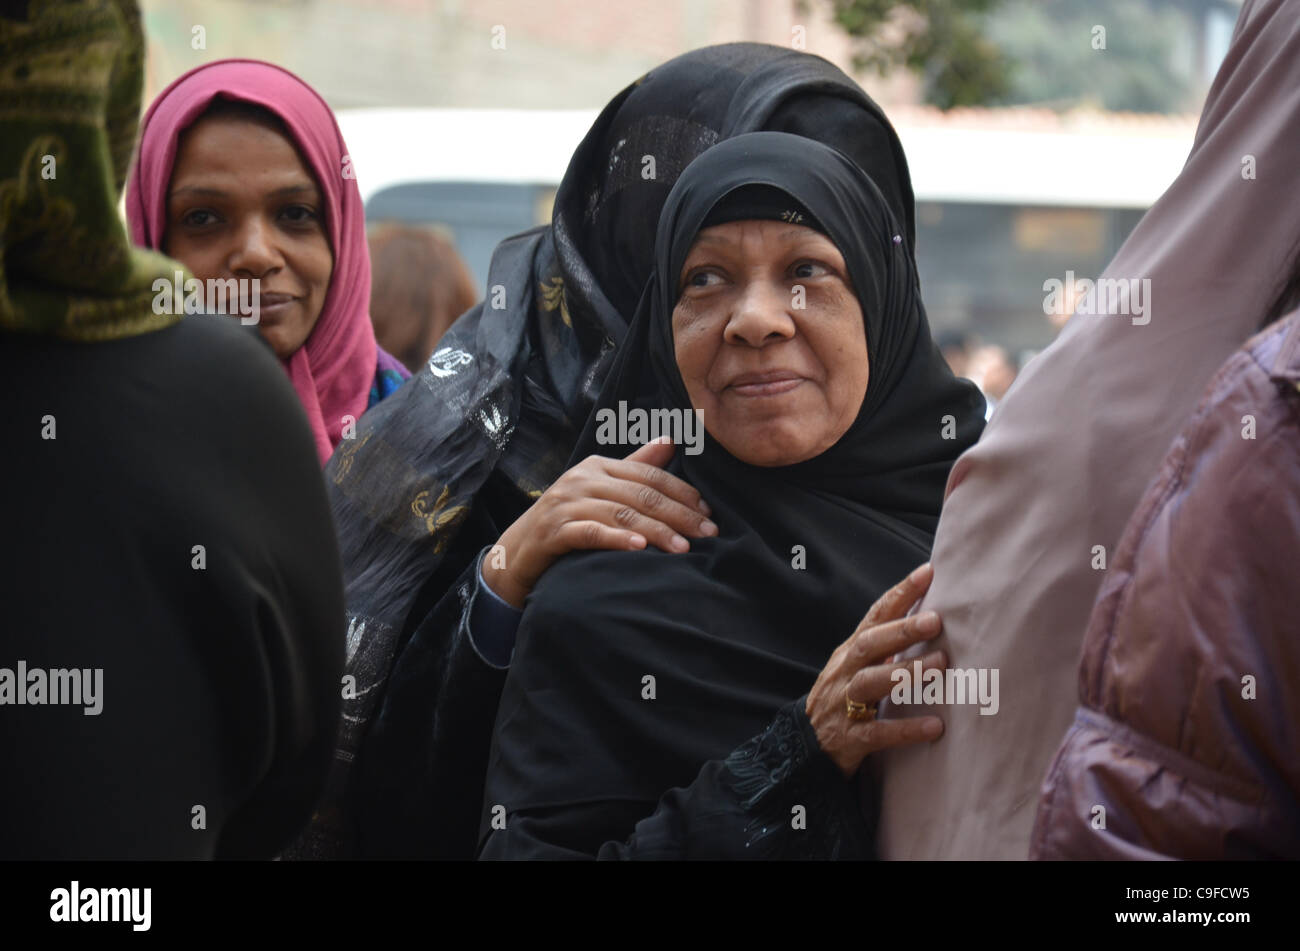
[860, 671]
[618, 504]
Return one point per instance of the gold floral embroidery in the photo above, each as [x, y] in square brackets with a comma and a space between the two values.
[345, 456]
[553, 297]
[439, 520]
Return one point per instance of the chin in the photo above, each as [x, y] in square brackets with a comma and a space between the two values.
[771, 447]
[278, 344]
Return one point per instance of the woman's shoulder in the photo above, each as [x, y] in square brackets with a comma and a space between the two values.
[211, 349]
[590, 580]
[594, 608]
[205, 357]
[588, 591]
[205, 382]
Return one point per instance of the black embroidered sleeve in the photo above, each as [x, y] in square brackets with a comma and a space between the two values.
[795, 801]
[778, 796]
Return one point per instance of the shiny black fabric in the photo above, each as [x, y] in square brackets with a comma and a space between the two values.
[491, 420]
[777, 796]
[761, 203]
[735, 629]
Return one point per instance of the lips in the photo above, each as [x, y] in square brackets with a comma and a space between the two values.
[273, 303]
[767, 383]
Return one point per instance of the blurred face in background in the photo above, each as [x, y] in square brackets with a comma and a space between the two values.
[419, 286]
[776, 383]
[992, 370]
[242, 204]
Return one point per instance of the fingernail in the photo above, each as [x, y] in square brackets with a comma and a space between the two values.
[708, 528]
[704, 507]
[933, 728]
[919, 573]
[679, 543]
[927, 622]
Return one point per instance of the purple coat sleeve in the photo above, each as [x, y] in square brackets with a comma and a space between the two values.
[1187, 740]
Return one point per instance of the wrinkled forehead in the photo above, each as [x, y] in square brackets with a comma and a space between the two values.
[754, 220]
[738, 180]
[751, 240]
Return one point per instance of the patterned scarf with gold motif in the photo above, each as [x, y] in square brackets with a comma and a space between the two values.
[70, 88]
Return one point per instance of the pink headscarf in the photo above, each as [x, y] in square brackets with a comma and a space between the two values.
[333, 371]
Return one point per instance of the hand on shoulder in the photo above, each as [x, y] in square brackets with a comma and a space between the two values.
[604, 503]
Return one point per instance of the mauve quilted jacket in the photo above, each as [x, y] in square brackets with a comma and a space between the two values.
[1186, 743]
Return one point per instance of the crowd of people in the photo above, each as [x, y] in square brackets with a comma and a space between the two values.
[349, 597]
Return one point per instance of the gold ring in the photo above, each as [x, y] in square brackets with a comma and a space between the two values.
[858, 710]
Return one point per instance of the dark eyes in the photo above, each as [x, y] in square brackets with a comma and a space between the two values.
[197, 218]
[808, 269]
[801, 270]
[299, 214]
[702, 278]
[293, 214]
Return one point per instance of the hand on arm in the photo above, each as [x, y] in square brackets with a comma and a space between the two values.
[740, 807]
[858, 669]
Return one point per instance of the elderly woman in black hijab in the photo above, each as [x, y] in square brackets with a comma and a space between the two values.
[440, 469]
[446, 464]
[784, 307]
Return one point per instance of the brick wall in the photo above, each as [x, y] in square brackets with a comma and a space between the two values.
[559, 54]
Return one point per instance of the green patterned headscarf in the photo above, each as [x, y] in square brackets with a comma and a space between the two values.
[71, 77]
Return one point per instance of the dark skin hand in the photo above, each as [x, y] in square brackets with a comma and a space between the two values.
[861, 669]
[616, 504]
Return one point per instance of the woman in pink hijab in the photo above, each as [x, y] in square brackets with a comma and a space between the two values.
[243, 175]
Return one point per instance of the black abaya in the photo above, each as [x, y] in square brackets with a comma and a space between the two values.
[171, 530]
[729, 634]
[444, 465]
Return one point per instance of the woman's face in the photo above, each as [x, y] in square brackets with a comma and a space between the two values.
[770, 340]
[243, 205]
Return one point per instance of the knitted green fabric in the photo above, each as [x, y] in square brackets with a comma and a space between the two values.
[71, 77]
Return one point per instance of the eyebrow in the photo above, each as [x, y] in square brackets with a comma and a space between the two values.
[202, 192]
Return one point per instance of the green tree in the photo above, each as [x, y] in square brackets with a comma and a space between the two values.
[943, 41]
[1056, 54]
[1003, 52]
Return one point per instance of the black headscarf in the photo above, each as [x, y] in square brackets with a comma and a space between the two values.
[503, 399]
[742, 623]
[689, 104]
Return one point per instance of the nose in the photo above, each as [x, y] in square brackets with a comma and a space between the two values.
[254, 254]
[761, 315]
